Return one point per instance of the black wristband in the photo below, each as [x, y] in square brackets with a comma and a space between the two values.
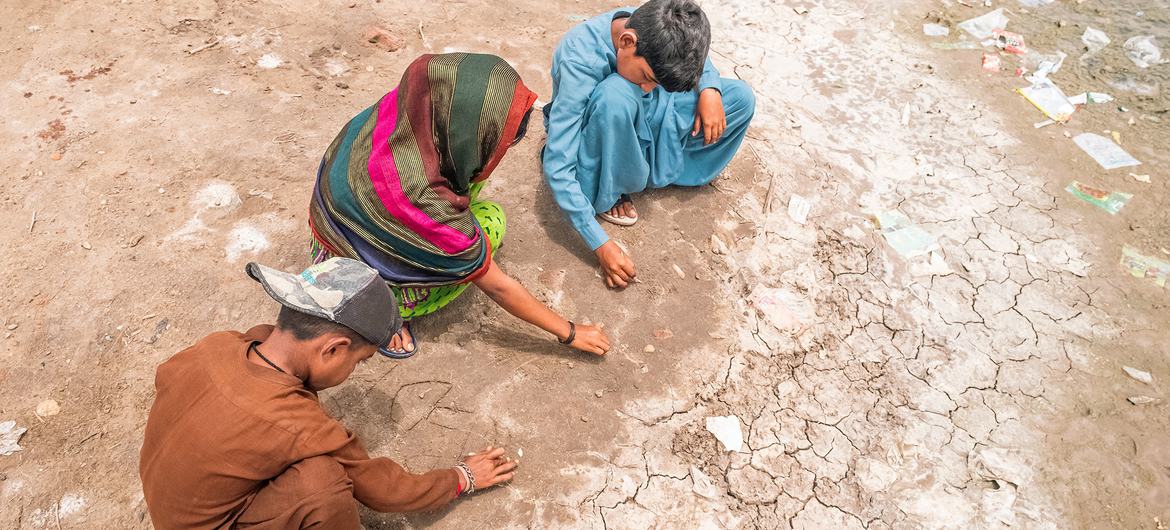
[572, 334]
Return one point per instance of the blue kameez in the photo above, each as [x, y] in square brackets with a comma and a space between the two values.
[606, 137]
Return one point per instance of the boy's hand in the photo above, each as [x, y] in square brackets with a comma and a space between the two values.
[490, 467]
[617, 266]
[709, 116]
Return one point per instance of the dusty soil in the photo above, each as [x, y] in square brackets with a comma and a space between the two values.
[149, 156]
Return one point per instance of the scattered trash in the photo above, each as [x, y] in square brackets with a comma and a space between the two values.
[1111, 202]
[1009, 42]
[1139, 375]
[520, 452]
[1095, 40]
[1050, 99]
[48, 408]
[703, 485]
[1042, 124]
[1129, 83]
[678, 270]
[908, 239]
[1090, 97]
[1142, 400]
[1045, 65]
[576, 18]
[798, 209]
[1143, 51]
[935, 30]
[982, 27]
[219, 91]
[1140, 178]
[269, 61]
[10, 434]
[1104, 151]
[727, 430]
[991, 62]
[1142, 266]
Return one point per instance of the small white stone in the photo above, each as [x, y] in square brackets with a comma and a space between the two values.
[1139, 375]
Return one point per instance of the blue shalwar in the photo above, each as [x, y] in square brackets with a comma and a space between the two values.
[607, 137]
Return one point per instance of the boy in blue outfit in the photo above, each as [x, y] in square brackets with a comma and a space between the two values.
[637, 104]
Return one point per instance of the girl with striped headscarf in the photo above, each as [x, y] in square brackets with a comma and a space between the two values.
[399, 189]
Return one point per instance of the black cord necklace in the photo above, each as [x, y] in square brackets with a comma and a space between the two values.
[256, 350]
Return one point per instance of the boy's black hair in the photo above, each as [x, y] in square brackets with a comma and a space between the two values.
[304, 326]
[674, 37]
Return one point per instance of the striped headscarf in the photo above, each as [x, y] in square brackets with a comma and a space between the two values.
[393, 189]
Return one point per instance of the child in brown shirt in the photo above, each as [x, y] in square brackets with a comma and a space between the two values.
[237, 437]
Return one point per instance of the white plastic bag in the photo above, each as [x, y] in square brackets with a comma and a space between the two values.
[1144, 51]
[1095, 40]
[982, 26]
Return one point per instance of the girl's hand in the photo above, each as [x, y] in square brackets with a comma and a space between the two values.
[590, 339]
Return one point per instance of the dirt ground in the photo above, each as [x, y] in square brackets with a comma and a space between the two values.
[153, 148]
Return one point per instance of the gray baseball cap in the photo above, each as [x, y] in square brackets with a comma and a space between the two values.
[340, 290]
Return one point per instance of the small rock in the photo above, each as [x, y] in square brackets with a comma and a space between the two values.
[649, 348]
[1139, 375]
[341, 85]
[134, 241]
[1142, 400]
[13, 326]
[86, 245]
[384, 39]
[717, 245]
[645, 369]
[571, 365]
[599, 393]
[678, 270]
[268, 61]
[663, 334]
[520, 452]
[55, 156]
[584, 419]
[48, 408]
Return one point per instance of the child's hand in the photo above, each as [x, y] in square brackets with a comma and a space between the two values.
[618, 267]
[490, 467]
[591, 339]
[709, 116]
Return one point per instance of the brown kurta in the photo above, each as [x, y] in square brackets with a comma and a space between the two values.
[221, 427]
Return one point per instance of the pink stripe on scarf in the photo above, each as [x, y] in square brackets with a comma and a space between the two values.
[388, 185]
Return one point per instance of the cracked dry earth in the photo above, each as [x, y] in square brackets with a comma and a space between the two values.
[873, 392]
